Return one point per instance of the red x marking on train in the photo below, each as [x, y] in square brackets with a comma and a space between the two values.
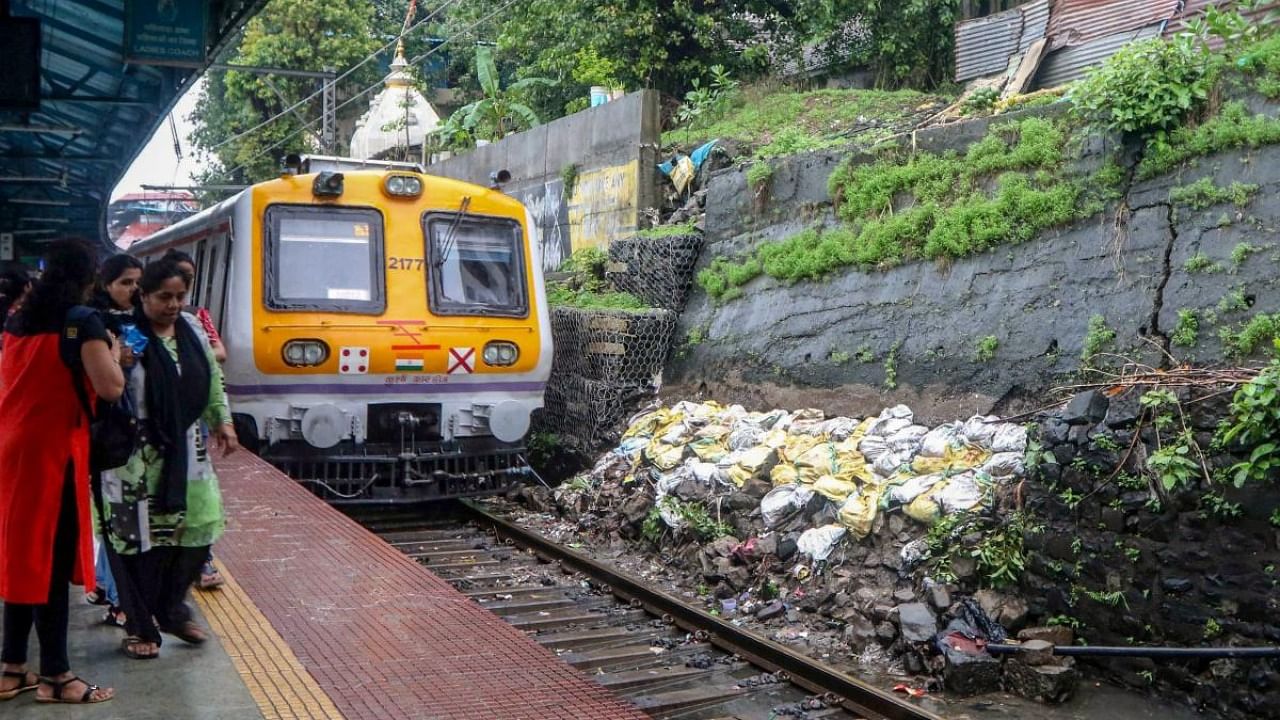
[462, 360]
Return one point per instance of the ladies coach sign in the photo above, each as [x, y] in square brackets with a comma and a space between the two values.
[166, 32]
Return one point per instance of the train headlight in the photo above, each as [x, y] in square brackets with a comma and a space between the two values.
[327, 184]
[305, 353]
[500, 353]
[403, 185]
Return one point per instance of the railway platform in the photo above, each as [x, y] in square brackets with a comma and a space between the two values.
[320, 619]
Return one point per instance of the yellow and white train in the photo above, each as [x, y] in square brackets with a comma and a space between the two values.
[387, 331]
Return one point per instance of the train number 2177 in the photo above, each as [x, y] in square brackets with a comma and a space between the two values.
[404, 263]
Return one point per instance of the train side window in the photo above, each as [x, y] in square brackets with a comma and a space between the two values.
[476, 265]
[324, 258]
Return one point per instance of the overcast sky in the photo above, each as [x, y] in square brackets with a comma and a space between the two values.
[157, 164]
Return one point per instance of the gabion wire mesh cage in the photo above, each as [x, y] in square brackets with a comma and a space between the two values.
[656, 270]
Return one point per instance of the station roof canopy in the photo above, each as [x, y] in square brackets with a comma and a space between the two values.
[109, 71]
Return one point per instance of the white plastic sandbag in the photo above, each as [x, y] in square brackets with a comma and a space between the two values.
[912, 488]
[1009, 438]
[979, 430]
[818, 542]
[745, 437]
[935, 442]
[839, 428]
[872, 447]
[889, 463]
[782, 502]
[1004, 465]
[907, 440]
[960, 493]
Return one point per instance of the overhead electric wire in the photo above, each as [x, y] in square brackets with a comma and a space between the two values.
[403, 32]
[375, 86]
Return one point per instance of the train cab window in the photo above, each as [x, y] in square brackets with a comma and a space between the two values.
[477, 265]
[324, 258]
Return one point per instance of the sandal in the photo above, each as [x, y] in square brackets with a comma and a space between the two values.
[12, 693]
[128, 647]
[188, 632]
[97, 597]
[60, 685]
[211, 579]
[115, 617]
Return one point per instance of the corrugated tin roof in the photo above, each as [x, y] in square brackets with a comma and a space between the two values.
[986, 45]
[1072, 63]
[114, 106]
[1078, 22]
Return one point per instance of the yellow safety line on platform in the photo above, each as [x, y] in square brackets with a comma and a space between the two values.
[278, 682]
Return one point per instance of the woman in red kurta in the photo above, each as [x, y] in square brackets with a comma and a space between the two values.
[46, 540]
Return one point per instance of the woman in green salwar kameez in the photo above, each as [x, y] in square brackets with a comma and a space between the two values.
[163, 507]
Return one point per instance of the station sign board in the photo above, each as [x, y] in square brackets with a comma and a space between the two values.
[166, 32]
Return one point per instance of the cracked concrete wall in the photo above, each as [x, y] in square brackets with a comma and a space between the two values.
[828, 344]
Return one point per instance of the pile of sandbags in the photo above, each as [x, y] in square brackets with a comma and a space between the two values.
[696, 452]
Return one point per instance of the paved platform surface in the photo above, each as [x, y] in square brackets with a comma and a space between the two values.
[380, 635]
[185, 683]
[322, 620]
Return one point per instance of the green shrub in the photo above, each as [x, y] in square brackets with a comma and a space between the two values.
[1255, 424]
[1200, 263]
[1097, 338]
[1203, 194]
[1187, 329]
[1256, 334]
[758, 174]
[1232, 127]
[1146, 89]
[986, 349]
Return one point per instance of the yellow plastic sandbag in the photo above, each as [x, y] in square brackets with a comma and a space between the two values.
[647, 423]
[758, 460]
[664, 457]
[797, 445]
[923, 509]
[821, 456]
[784, 474]
[835, 489]
[859, 511]
[713, 430]
[952, 459]
[774, 439]
[709, 449]
[737, 475]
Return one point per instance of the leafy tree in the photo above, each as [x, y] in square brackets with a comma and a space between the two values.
[294, 34]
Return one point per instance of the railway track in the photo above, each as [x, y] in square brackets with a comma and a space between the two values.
[670, 659]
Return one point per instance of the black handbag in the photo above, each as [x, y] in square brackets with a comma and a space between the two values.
[113, 429]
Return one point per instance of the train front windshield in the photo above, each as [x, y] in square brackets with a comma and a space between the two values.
[477, 265]
[325, 258]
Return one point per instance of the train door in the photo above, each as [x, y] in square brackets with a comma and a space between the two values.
[198, 298]
[215, 276]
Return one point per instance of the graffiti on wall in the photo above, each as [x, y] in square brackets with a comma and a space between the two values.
[546, 203]
[603, 206]
[602, 209]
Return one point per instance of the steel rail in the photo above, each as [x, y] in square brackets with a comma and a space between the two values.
[851, 693]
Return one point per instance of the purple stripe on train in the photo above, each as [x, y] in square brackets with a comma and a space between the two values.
[396, 388]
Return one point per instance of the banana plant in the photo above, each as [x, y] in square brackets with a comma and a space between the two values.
[500, 111]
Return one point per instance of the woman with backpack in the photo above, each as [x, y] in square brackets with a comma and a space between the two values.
[163, 507]
[115, 298]
[51, 345]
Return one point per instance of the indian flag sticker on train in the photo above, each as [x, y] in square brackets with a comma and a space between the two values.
[409, 364]
[353, 361]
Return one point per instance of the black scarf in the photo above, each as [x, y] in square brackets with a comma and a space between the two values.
[175, 401]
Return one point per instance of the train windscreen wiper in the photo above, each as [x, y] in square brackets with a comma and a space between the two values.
[446, 246]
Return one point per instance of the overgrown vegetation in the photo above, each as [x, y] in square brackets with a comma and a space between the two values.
[586, 286]
[1257, 333]
[788, 120]
[1201, 263]
[1098, 337]
[995, 544]
[908, 206]
[691, 516]
[986, 349]
[1204, 193]
[1187, 330]
[688, 227]
[1255, 424]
